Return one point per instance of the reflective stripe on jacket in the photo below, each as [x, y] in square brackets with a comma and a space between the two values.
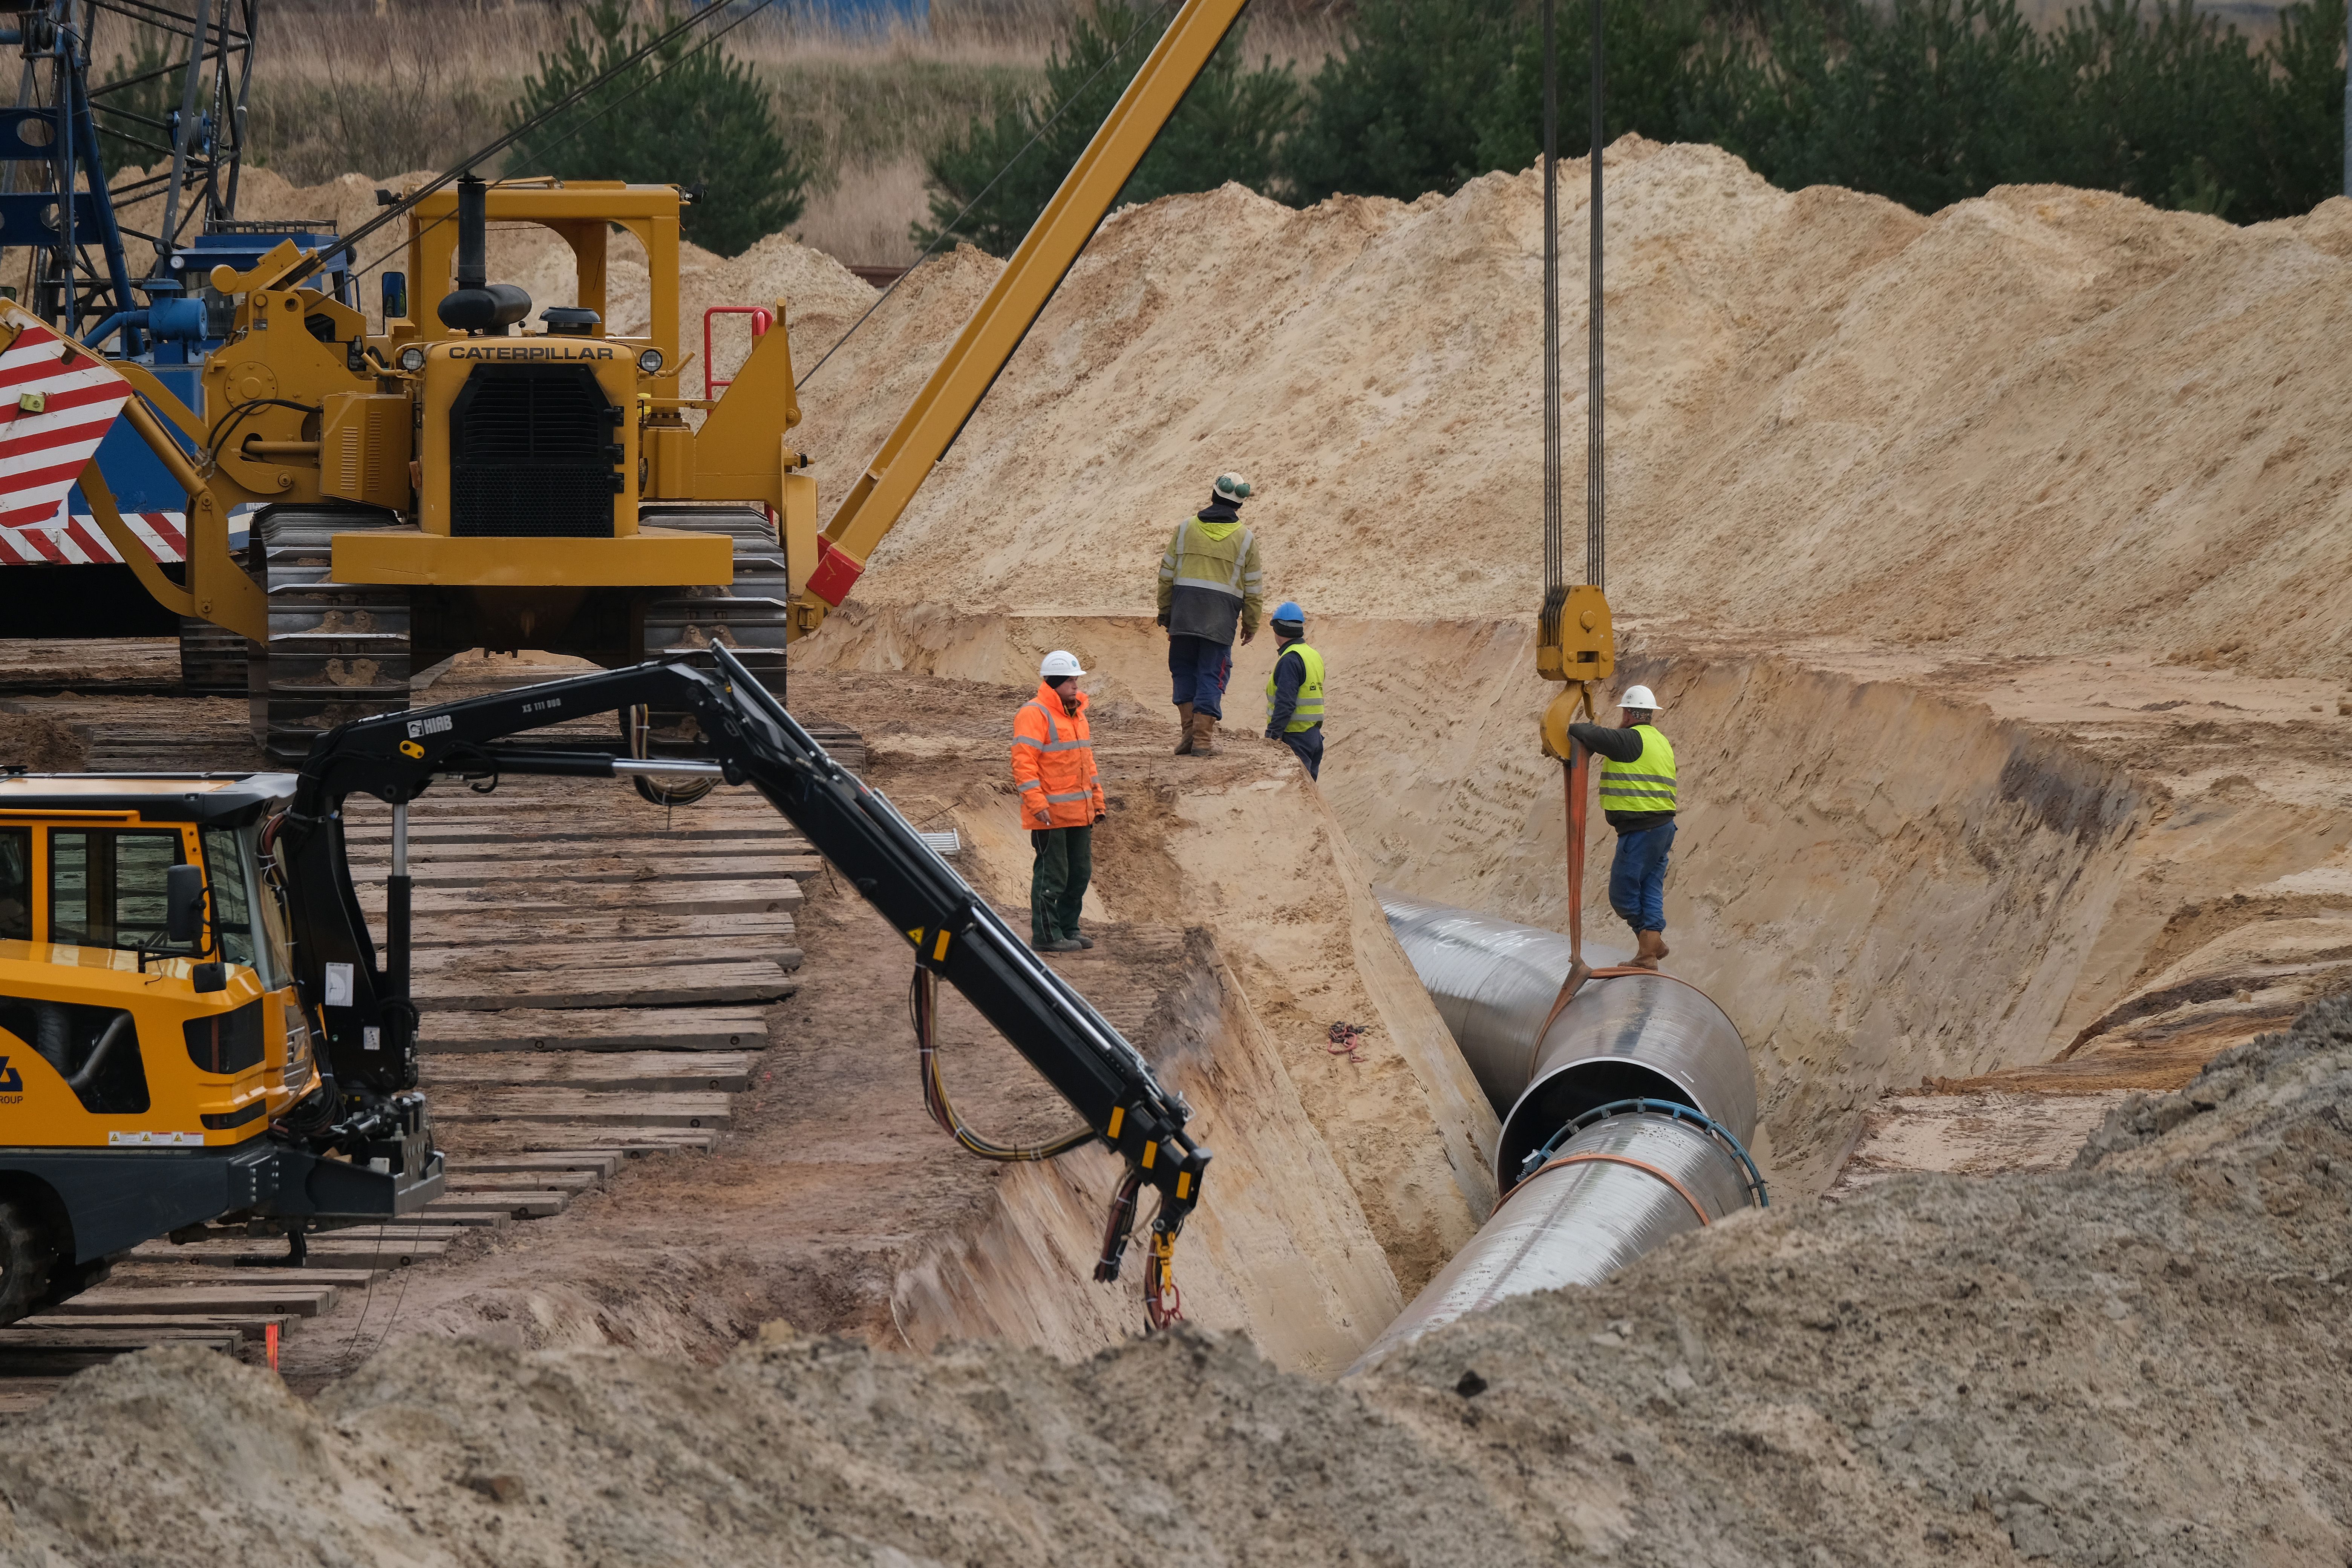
[1208, 578]
[1054, 763]
[1645, 784]
[1308, 711]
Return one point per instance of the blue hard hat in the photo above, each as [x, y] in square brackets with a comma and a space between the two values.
[1290, 614]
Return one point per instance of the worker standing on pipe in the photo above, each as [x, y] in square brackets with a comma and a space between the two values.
[1294, 692]
[1061, 801]
[1637, 792]
[1209, 579]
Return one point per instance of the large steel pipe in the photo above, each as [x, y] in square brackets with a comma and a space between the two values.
[1591, 1181]
[1610, 1193]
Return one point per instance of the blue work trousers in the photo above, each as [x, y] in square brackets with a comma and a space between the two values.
[1199, 669]
[1637, 878]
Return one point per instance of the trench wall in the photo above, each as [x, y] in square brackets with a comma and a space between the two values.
[1879, 883]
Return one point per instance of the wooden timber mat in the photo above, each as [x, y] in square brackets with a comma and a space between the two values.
[594, 973]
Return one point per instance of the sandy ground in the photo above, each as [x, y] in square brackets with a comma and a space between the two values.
[2077, 1366]
[1993, 567]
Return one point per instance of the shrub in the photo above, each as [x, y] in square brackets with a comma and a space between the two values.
[1225, 129]
[128, 137]
[684, 115]
[1926, 101]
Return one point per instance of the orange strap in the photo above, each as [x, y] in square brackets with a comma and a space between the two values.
[1597, 1158]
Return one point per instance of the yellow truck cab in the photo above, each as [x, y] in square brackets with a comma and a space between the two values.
[158, 1063]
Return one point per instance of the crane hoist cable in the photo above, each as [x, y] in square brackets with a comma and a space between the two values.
[1576, 641]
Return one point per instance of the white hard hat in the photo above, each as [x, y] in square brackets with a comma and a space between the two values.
[1639, 697]
[1232, 487]
[1058, 663]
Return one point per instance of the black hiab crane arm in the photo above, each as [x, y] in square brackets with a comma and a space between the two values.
[750, 739]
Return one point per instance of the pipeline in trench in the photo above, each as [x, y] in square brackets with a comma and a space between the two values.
[1625, 1117]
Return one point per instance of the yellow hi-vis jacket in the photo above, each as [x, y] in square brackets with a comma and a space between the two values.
[1309, 710]
[1645, 784]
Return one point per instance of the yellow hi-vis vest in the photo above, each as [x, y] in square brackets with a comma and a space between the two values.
[1309, 711]
[1645, 784]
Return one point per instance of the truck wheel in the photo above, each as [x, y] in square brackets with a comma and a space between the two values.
[27, 1255]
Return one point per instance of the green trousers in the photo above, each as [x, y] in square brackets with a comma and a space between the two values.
[1057, 883]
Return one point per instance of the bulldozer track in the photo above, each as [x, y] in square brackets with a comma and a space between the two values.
[751, 617]
[213, 660]
[569, 1024]
[336, 651]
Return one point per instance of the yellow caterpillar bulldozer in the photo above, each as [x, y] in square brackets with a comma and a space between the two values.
[446, 484]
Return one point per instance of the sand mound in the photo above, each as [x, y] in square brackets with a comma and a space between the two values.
[40, 745]
[2071, 1366]
[2047, 419]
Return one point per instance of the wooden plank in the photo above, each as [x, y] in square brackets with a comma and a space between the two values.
[109, 1300]
[626, 923]
[22, 1395]
[552, 901]
[391, 1253]
[245, 1326]
[21, 1340]
[145, 1274]
[583, 1106]
[531, 1205]
[426, 832]
[599, 1163]
[726, 1071]
[763, 980]
[532, 856]
[527, 1137]
[655, 867]
[485, 1184]
[596, 1029]
[660, 952]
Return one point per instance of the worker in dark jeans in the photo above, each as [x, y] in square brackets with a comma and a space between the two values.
[1294, 692]
[1209, 586]
[1061, 801]
[1637, 792]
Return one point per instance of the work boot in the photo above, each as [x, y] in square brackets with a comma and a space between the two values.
[1204, 734]
[1651, 948]
[1184, 729]
[1082, 939]
[1059, 945]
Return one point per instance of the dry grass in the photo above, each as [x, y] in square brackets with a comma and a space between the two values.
[413, 84]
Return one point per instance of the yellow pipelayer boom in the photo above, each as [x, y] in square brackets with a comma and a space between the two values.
[455, 483]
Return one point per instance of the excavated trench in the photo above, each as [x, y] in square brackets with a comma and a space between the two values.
[1886, 885]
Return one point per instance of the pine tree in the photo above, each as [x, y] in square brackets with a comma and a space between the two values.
[1226, 129]
[685, 115]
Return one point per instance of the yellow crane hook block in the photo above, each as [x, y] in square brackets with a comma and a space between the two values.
[1578, 647]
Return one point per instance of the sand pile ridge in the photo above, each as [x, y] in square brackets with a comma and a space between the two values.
[2077, 1366]
[2047, 419]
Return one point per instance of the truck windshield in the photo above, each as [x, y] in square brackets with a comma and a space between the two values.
[245, 911]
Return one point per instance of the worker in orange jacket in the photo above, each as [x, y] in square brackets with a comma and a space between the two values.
[1061, 801]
